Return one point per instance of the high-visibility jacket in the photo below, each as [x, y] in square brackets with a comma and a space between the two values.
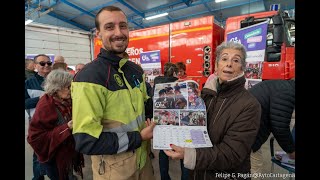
[108, 109]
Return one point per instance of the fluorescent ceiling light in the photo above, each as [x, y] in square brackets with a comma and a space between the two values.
[156, 16]
[28, 22]
[217, 1]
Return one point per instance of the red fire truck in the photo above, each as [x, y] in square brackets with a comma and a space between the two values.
[191, 41]
[279, 62]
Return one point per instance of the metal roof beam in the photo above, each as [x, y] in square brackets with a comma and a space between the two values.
[52, 14]
[187, 2]
[170, 19]
[67, 21]
[180, 18]
[161, 7]
[133, 22]
[132, 8]
[206, 5]
[197, 14]
[78, 8]
[183, 6]
[235, 5]
[34, 4]
[95, 8]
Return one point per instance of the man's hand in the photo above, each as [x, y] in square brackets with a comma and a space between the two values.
[177, 152]
[147, 132]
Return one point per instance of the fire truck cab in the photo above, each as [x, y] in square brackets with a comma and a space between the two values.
[279, 62]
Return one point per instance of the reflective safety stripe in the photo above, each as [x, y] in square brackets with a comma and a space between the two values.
[123, 141]
[133, 125]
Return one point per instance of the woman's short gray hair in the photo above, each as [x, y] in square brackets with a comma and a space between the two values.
[232, 45]
[56, 80]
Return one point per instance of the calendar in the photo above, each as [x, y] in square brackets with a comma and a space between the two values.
[180, 115]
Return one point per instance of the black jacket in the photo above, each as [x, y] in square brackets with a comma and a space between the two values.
[277, 99]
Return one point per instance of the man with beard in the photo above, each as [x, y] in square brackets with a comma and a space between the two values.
[108, 97]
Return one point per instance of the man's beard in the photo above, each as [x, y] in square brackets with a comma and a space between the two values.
[114, 51]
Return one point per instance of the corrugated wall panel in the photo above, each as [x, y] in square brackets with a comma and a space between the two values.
[72, 44]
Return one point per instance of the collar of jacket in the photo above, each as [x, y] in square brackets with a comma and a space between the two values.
[111, 58]
[231, 87]
[38, 76]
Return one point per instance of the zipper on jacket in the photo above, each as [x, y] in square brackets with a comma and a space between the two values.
[219, 111]
[209, 105]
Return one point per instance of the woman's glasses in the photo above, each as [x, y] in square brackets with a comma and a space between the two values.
[44, 63]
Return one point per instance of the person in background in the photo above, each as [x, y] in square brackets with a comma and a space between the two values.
[50, 130]
[32, 93]
[108, 105]
[170, 75]
[233, 120]
[59, 65]
[33, 85]
[182, 75]
[79, 67]
[277, 100]
[29, 68]
[61, 59]
[149, 113]
[58, 59]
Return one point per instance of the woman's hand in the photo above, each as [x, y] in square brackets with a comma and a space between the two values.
[177, 152]
[70, 124]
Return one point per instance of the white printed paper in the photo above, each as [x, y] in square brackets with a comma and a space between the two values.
[180, 115]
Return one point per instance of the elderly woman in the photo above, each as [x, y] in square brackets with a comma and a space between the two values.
[50, 130]
[233, 121]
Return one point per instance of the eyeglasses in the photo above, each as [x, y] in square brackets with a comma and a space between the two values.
[44, 63]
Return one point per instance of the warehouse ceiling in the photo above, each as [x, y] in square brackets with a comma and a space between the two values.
[80, 14]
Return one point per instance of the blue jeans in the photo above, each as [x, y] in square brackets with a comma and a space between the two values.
[38, 171]
[51, 170]
[164, 167]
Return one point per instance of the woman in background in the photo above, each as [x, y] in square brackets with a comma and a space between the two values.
[50, 130]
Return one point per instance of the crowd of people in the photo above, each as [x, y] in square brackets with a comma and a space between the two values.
[103, 109]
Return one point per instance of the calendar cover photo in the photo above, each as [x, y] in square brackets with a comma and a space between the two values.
[180, 115]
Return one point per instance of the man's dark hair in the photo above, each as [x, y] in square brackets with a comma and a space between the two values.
[162, 91]
[35, 58]
[170, 69]
[106, 8]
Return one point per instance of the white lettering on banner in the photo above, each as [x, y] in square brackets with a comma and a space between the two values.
[235, 39]
[257, 55]
[134, 51]
[135, 60]
[254, 39]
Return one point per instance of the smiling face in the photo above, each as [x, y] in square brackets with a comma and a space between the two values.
[113, 31]
[43, 65]
[229, 65]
